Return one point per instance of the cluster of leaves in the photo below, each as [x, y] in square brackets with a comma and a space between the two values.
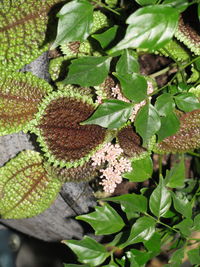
[166, 215]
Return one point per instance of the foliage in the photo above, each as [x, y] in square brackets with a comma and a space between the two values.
[103, 117]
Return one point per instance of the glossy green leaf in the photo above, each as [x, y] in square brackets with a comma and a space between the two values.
[76, 265]
[176, 175]
[180, 5]
[88, 250]
[177, 257]
[104, 220]
[182, 205]
[127, 63]
[150, 27]
[134, 86]
[146, 2]
[83, 71]
[198, 10]
[75, 22]
[111, 264]
[196, 226]
[154, 243]
[141, 257]
[164, 104]
[170, 124]
[160, 200]
[194, 255]
[141, 170]
[142, 230]
[130, 203]
[187, 102]
[147, 122]
[26, 189]
[20, 97]
[106, 37]
[111, 114]
[185, 226]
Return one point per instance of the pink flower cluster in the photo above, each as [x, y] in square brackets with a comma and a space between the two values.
[116, 166]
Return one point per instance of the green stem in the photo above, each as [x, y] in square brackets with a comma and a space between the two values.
[160, 165]
[107, 7]
[194, 154]
[160, 72]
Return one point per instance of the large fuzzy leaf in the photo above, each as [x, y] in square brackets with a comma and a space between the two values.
[20, 95]
[25, 187]
[23, 32]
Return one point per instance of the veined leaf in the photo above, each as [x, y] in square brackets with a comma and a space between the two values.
[182, 205]
[105, 220]
[88, 250]
[25, 187]
[111, 114]
[176, 176]
[75, 22]
[106, 37]
[20, 95]
[127, 63]
[187, 102]
[23, 32]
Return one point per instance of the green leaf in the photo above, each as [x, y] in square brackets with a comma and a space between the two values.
[177, 257]
[185, 226]
[146, 2]
[127, 63]
[160, 200]
[147, 122]
[198, 10]
[88, 250]
[106, 37]
[83, 71]
[150, 27]
[170, 124]
[24, 36]
[176, 176]
[141, 257]
[134, 86]
[105, 220]
[130, 203]
[182, 205]
[141, 170]
[26, 189]
[196, 226]
[76, 265]
[75, 22]
[111, 264]
[194, 255]
[154, 243]
[111, 114]
[20, 96]
[164, 104]
[180, 5]
[142, 230]
[187, 102]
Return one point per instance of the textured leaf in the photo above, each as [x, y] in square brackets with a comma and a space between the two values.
[134, 86]
[149, 27]
[164, 104]
[146, 2]
[176, 176]
[23, 32]
[177, 257]
[141, 257]
[83, 71]
[111, 114]
[127, 63]
[182, 205]
[142, 230]
[141, 170]
[188, 136]
[160, 200]
[75, 22]
[88, 250]
[25, 187]
[104, 220]
[147, 122]
[154, 243]
[20, 95]
[180, 5]
[196, 226]
[65, 142]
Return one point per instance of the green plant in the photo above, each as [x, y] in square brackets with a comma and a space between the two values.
[103, 118]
